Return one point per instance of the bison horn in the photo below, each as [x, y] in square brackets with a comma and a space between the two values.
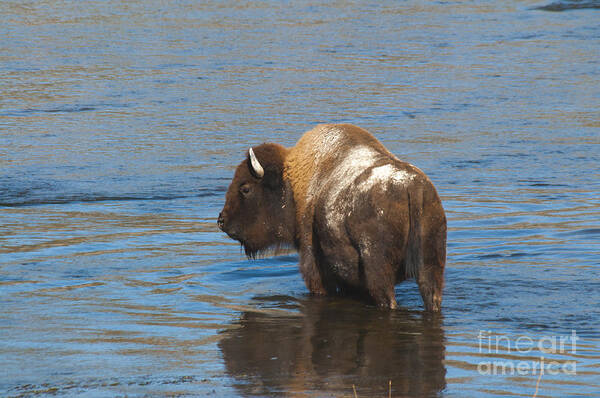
[256, 167]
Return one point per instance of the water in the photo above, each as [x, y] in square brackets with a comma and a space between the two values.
[121, 125]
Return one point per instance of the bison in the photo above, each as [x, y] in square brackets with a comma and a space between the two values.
[361, 219]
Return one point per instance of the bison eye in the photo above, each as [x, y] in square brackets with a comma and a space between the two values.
[245, 189]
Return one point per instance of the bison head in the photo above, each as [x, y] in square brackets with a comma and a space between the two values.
[259, 205]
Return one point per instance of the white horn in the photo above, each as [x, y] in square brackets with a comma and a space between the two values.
[258, 170]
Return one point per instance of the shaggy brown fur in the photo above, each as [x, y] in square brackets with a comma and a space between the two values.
[361, 219]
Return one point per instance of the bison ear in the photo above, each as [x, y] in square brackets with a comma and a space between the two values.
[273, 177]
[255, 165]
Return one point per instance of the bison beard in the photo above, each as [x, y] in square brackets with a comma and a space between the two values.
[361, 219]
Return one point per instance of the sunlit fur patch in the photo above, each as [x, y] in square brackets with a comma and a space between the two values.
[344, 175]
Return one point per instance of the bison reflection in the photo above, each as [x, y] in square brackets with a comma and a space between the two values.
[332, 344]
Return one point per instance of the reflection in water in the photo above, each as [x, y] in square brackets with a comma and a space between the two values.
[566, 5]
[329, 345]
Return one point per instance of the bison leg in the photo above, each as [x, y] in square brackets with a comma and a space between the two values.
[310, 272]
[431, 273]
[381, 289]
[379, 276]
[431, 285]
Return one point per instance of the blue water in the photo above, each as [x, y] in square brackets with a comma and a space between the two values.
[121, 125]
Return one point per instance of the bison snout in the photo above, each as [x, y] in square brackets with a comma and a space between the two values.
[221, 221]
[226, 226]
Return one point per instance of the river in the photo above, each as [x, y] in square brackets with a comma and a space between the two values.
[121, 124]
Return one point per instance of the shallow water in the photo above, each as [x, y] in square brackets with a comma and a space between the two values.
[121, 124]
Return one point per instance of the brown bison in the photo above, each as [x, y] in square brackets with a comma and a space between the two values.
[361, 219]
